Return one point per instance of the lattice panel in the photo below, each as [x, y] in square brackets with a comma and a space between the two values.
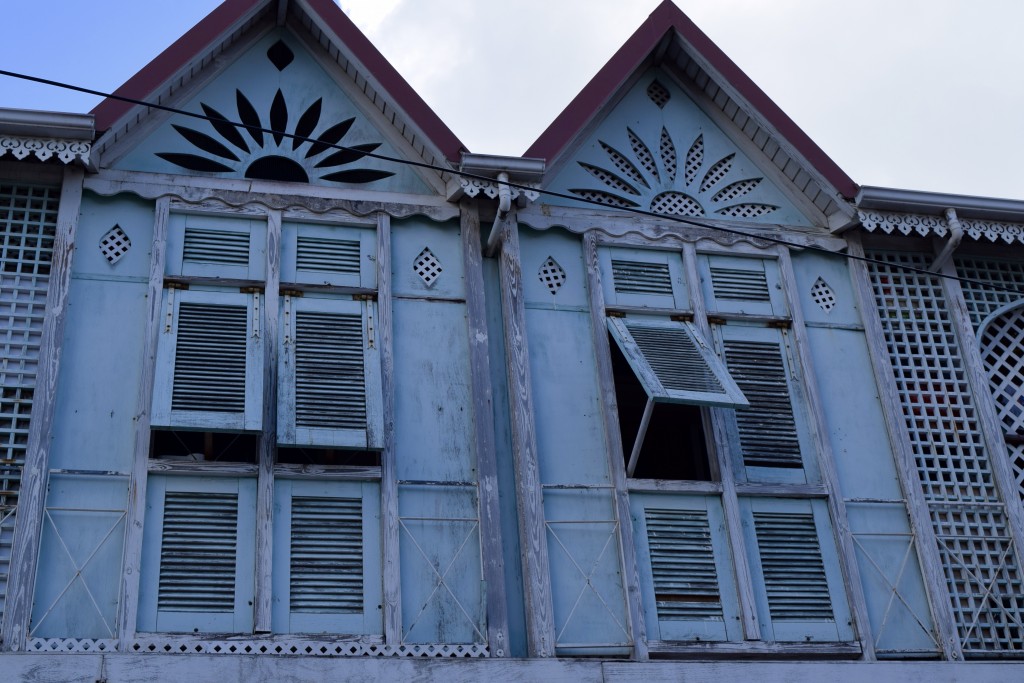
[71, 645]
[823, 295]
[659, 94]
[606, 198]
[982, 301]
[114, 244]
[1002, 352]
[551, 275]
[427, 266]
[747, 210]
[622, 163]
[310, 648]
[643, 154]
[609, 178]
[737, 189]
[694, 158]
[676, 204]
[669, 158]
[716, 173]
[15, 410]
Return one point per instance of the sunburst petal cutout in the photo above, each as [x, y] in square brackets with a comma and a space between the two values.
[272, 159]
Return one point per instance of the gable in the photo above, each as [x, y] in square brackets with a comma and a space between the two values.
[275, 84]
[656, 150]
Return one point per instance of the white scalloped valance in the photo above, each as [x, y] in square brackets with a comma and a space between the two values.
[915, 224]
[44, 148]
[473, 187]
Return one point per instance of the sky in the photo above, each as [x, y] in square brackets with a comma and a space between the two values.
[916, 94]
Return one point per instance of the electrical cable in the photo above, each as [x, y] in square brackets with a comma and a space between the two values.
[550, 193]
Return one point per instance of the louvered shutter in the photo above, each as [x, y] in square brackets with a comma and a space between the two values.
[327, 568]
[741, 285]
[689, 594]
[673, 363]
[198, 555]
[800, 592]
[643, 277]
[332, 255]
[216, 247]
[771, 433]
[329, 378]
[209, 361]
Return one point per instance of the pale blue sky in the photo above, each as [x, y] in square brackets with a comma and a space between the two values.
[923, 94]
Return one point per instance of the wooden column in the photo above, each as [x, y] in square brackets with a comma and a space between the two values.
[268, 439]
[483, 418]
[128, 606]
[32, 497]
[826, 460]
[920, 520]
[392, 576]
[613, 441]
[540, 627]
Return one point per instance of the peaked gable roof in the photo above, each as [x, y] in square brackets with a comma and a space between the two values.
[329, 25]
[670, 39]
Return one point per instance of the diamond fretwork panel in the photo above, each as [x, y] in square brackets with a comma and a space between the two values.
[981, 298]
[551, 275]
[114, 244]
[978, 556]
[1002, 352]
[427, 266]
[823, 295]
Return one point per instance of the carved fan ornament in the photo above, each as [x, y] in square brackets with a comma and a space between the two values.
[653, 176]
[258, 155]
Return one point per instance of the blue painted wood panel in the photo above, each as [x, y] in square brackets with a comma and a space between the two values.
[442, 274]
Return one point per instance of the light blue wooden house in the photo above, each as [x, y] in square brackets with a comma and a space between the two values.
[297, 388]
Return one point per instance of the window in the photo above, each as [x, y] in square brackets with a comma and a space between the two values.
[218, 385]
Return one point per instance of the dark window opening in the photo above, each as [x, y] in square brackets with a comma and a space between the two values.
[331, 457]
[185, 446]
[675, 446]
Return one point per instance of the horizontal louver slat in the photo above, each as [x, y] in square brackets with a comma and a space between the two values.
[767, 429]
[216, 246]
[683, 565]
[330, 389]
[638, 277]
[209, 359]
[735, 284]
[324, 254]
[326, 555]
[197, 552]
[794, 574]
[674, 358]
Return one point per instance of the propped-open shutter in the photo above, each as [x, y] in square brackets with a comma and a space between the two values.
[801, 589]
[333, 255]
[643, 277]
[327, 557]
[198, 556]
[741, 285]
[329, 381]
[673, 363]
[216, 247]
[208, 362]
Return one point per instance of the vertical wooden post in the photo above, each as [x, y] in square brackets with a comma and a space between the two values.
[725, 460]
[392, 576]
[483, 419]
[826, 460]
[899, 438]
[540, 626]
[268, 439]
[128, 606]
[28, 524]
[613, 441]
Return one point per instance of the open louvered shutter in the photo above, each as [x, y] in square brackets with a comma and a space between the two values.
[209, 361]
[216, 247]
[327, 568]
[673, 363]
[734, 284]
[800, 593]
[689, 592]
[198, 555]
[643, 277]
[329, 378]
[332, 255]
[771, 433]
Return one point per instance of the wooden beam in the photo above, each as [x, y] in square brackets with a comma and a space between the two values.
[920, 521]
[483, 419]
[131, 570]
[392, 575]
[826, 460]
[28, 524]
[540, 627]
[613, 442]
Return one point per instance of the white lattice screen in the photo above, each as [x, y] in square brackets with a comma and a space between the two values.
[28, 222]
[978, 554]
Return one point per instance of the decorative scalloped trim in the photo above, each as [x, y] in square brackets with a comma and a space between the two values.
[907, 224]
[45, 148]
[473, 187]
[310, 648]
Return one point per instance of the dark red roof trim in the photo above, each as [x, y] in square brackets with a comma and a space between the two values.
[667, 17]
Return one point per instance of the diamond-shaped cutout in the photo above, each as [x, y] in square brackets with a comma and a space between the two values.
[659, 94]
[427, 266]
[822, 294]
[280, 55]
[114, 244]
[552, 275]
